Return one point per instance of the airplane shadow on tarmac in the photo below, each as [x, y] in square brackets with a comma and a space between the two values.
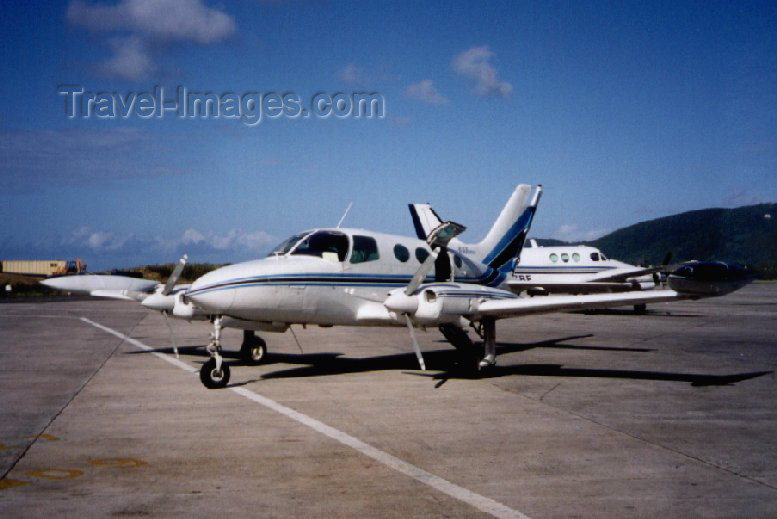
[447, 365]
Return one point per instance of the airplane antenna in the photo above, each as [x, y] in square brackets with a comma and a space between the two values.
[344, 215]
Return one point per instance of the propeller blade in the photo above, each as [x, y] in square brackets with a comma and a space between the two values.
[173, 279]
[415, 343]
[172, 335]
[421, 273]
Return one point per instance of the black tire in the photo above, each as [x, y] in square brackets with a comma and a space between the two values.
[210, 378]
[640, 308]
[253, 352]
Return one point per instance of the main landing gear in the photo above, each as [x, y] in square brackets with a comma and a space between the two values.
[488, 326]
[214, 374]
[475, 357]
[253, 349]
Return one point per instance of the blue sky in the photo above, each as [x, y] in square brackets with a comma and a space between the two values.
[624, 111]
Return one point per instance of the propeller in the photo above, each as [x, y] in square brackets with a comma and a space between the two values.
[176, 274]
[659, 277]
[416, 348]
[167, 290]
[421, 273]
[172, 335]
[406, 302]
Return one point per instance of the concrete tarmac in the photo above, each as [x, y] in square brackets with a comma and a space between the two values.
[669, 414]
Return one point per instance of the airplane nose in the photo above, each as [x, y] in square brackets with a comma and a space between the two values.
[210, 294]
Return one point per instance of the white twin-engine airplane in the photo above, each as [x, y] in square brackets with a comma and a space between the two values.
[577, 270]
[355, 277]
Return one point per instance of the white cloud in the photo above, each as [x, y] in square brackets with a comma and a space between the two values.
[106, 249]
[226, 245]
[236, 240]
[182, 20]
[97, 241]
[475, 63]
[138, 26]
[424, 91]
[131, 59]
[573, 232]
[567, 229]
[192, 236]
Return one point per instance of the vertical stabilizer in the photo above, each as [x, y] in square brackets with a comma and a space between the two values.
[506, 238]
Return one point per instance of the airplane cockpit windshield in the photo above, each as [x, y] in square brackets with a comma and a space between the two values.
[287, 244]
[324, 244]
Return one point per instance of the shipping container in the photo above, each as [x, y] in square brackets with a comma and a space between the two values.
[34, 267]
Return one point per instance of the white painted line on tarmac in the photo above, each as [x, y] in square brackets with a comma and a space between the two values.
[168, 358]
[482, 503]
[42, 316]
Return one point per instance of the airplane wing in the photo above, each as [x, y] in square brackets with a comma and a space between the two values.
[101, 285]
[621, 275]
[123, 295]
[567, 287]
[548, 304]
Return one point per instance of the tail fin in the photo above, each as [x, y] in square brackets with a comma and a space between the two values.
[506, 238]
[425, 220]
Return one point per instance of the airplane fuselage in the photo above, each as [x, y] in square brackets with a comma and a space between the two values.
[330, 277]
[574, 269]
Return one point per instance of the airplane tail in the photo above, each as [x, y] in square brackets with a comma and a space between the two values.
[505, 239]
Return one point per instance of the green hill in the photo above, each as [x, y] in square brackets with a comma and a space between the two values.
[742, 235]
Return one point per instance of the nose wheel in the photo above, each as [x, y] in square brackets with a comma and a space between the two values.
[214, 377]
[214, 374]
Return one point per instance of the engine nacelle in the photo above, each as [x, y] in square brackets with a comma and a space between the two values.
[437, 308]
[711, 278]
[184, 308]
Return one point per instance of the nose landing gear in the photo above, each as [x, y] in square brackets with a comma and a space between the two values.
[214, 374]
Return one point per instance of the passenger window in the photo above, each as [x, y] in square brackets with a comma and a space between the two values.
[364, 249]
[421, 254]
[564, 257]
[576, 257]
[401, 253]
[554, 257]
[595, 256]
[604, 258]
